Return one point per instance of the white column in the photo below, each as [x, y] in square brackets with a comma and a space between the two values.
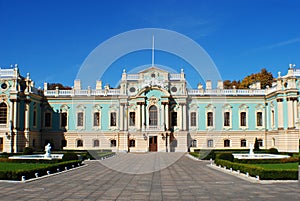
[163, 115]
[143, 117]
[15, 125]
[138, 118]
[295, 110]
[167, 116]
[27, 113]
[125, 118]
[280, 114]
[121, 117]
[290, 113]
[11, 121]
[184, 116]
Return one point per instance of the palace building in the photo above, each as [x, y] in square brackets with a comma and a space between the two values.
[152, 110]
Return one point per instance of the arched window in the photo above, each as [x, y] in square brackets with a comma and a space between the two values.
[3, 113]
[79, 143]
[96, 143]
[226, 143]
[243, 143]
[153, 115]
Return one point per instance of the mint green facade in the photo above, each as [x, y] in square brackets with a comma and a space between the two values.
[152, 110]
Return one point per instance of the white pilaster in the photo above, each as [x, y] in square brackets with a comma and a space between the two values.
[184, 117]
[121, 117]
[143, 117]
[167, 116]
[163, 115]
[125, 118]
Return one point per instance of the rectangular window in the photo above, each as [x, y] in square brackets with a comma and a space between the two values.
[243, 119]
[80, 119]
[113, 119]
[210, 143]
[63, 119]
[174, 119]
[131, 118]
[96, 119]
[259, 119]
[210, 119]
[34, 118]
[193, 119]
[48, 119]
[194, 143]
[226, 118]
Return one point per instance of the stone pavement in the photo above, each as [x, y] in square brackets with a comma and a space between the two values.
[186, 179]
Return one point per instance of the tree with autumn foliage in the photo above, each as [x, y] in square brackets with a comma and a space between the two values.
[264, 77]
[52, 86]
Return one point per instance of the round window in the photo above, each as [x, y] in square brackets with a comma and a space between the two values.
[3, 85]
[132, 89]
[153, 75]
[173, 89]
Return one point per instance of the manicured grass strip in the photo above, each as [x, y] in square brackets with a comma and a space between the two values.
[7, 166]
[263, 173]
[280, 166]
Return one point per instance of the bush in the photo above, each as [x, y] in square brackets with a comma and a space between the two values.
[225, 156]
[28, 151]
[273, 151]
[70, 156]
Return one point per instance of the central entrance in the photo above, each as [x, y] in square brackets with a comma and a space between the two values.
[152, 143]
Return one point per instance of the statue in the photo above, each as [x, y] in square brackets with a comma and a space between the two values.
[48, 151]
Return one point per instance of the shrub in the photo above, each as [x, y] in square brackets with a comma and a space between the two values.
[225, 156]
[273, 151]
[70, 156]
[28, 151]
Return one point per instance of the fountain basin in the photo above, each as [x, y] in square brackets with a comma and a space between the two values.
[37, 157]
[259, 156]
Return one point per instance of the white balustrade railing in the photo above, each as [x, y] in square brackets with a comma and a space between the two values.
[7, 73]
[220, 92]
[132, 76]
[175, 76]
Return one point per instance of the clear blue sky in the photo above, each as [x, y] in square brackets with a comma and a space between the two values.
[51, 39]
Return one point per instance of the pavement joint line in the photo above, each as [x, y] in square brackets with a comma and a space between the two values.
[249, 178]
[44, 176]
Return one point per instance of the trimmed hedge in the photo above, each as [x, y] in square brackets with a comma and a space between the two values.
[261, 172]
[17, 175]
[225, 156]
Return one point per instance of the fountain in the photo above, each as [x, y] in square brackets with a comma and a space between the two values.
[46, 156]
[252, 155]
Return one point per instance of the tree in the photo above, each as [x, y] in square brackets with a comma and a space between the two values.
[52, 86]
[264, 77]
[256, 145]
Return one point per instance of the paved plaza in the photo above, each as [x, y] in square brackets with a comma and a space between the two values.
[180, 179]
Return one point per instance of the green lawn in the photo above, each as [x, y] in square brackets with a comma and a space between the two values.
[280, 166]
[4, 166]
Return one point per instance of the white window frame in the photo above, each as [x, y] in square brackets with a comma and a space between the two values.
[244, 108]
